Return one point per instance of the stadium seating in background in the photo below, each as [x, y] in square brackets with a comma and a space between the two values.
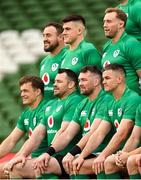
[21, 45]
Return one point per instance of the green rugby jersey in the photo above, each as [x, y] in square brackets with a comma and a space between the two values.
[88, 110]
[126, 52]
[124, 108]
[48, 71]
[85, 54]
[27, 122]
[138, 116]
[58, 111]
[133, 11]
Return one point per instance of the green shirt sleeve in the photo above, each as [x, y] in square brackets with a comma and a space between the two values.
[20, 122]
[138, 116]
[130, 109]
[133, 52]
[70, 108]
[92, 57]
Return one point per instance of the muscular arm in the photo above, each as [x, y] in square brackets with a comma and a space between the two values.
[62, 140]
[64, 126]
[9, 143]
[134, 140]
[124, 129]
[96, 138]
[85, 138]
[34, 141]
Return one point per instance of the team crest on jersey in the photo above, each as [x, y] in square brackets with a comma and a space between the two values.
[63, 61]
[93, 111]
[116, 53]
[47, 108]
[30, 132]
[58, 108]
[119, 112]
[26, 122]
[50, 121]
[83, 113]
[42, 68]
[54, 66]
[116, 123]
[87, 125]
[74, 61]
[34, 121]
[110, 112]
[106, 63]
[46, 78]
[103, 56]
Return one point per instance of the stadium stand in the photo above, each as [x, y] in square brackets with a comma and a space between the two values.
[21, 46]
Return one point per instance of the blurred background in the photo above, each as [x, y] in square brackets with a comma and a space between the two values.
[21, 44]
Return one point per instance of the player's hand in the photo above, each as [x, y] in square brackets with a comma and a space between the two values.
[41, 163]
[18, 159]
[98, 164]
[77, 163]
[67, 163]
[121, 158]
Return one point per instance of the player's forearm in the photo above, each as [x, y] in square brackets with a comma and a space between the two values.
[61, 141]
[31, 145]
[94, 141]
[6, 147]
[113, 145]
[131, 144]
[83, 141]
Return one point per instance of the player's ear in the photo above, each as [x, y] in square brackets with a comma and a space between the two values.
[38, 92]
[71, 84]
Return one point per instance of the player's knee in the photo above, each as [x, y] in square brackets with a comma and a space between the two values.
[109, 164]
[17, 167]
[131, 163]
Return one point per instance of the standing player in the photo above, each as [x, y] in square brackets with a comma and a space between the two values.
[121, 48]
[32, 90]
[132, 8]
[80, 53]
[58, 114]
[54, 45]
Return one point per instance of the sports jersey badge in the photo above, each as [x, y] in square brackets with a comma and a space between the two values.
[46, 78]
[87, 125]
[116, 123]
[34, 121]
[26, 122]
[104, 54]
[30, 132]
[110, 112]
[54, 67]
[50, 121]
[58, 108]
[116, 53]
[119, 112]
[106, 63]
[74, 61]
[42, 68]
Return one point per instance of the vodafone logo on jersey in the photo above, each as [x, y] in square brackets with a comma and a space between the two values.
[50, 121]
[46, 78]
[87, 125]
[116, 123]
[30, 132]
[106, 63]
